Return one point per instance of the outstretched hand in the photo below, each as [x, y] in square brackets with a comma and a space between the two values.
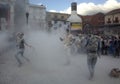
[31, 47]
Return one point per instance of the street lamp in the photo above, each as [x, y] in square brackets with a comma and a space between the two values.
[27, 16]
[27, 11]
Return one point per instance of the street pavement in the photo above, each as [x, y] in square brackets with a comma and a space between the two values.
[48, 69]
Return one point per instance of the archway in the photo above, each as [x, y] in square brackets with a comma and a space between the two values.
[4, 16]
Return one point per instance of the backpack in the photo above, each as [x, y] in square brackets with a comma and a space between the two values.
[20, 43]
[92, 45]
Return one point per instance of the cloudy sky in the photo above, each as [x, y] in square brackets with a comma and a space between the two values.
[84, 7]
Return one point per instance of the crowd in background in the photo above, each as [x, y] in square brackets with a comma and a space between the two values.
[110, 45]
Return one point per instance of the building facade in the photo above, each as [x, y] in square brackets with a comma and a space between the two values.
[90, 23]
[57, 21]
[20, 10]
[37, 16]
[16, 15]
[7, 14]
[93, 23]
[12, 14]
[13, 17]
[112, 22]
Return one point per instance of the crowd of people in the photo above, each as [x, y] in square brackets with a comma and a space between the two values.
[93, 45]
[110, 46]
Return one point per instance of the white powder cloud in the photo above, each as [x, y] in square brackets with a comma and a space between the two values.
[92, 8]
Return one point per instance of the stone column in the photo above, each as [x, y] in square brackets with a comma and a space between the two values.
[11, 17]
[12, 24]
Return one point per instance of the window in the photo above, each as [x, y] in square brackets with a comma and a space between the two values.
[55, 17]
[116, 20]
[108, 20]
[62, 17]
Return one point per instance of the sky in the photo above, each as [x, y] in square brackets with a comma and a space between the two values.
[84, 7]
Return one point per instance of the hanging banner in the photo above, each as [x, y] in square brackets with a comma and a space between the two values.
[76, 26]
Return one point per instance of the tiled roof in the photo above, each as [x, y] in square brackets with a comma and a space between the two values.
[113, 12]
